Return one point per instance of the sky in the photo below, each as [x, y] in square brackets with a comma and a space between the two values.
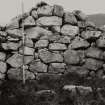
[12, 8]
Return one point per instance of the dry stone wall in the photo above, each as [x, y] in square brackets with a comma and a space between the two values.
[56, 42]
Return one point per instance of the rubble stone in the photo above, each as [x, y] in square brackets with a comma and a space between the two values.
[91, 35]
[69, 30]
[3, 67]
[17, 61]
[58, 10]
[57, 67]
[16, 33]
[79, 43]
[101, 42]
[37, 32]
[49, 21]
[57, 47]
[80, 15]
[2, 56]
[10, 46]
[38, 66]
[95, 53]
[70, 18]
[45, 10]
[41, 44]
[93, 64]
[48, 57]
[27, 50]
[29, 21]
[72, 57]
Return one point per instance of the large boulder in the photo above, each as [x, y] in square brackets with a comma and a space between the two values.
[49, 57]
[38, 66]
[49, 21]
[17, 60]
[69, 30]
[37, 32]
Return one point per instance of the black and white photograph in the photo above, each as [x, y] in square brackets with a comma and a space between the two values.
[52, 52]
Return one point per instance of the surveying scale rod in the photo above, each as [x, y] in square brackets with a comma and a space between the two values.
[23, 44]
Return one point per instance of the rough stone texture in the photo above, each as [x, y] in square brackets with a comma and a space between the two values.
[48, 57]
[16, 60]
[58, 10]
[45, 10]
[79, 43]
[95, 53]
[16, 33]
[51, 38]
[16, 73]
[3, 67]
[57, 67]
[37, 32]
[27, 51]
[72, 57]
[49, 21]
[10, 46]
[2, 56]
[70, 18]
[38, 66]
[93, 64]
[70, 30]
[41, 44]
[57, 46]
[91, 34]
[64, 40]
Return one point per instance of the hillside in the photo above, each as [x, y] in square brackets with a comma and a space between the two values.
[98, 19]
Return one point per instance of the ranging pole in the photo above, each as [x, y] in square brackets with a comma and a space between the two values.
[23, 43]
